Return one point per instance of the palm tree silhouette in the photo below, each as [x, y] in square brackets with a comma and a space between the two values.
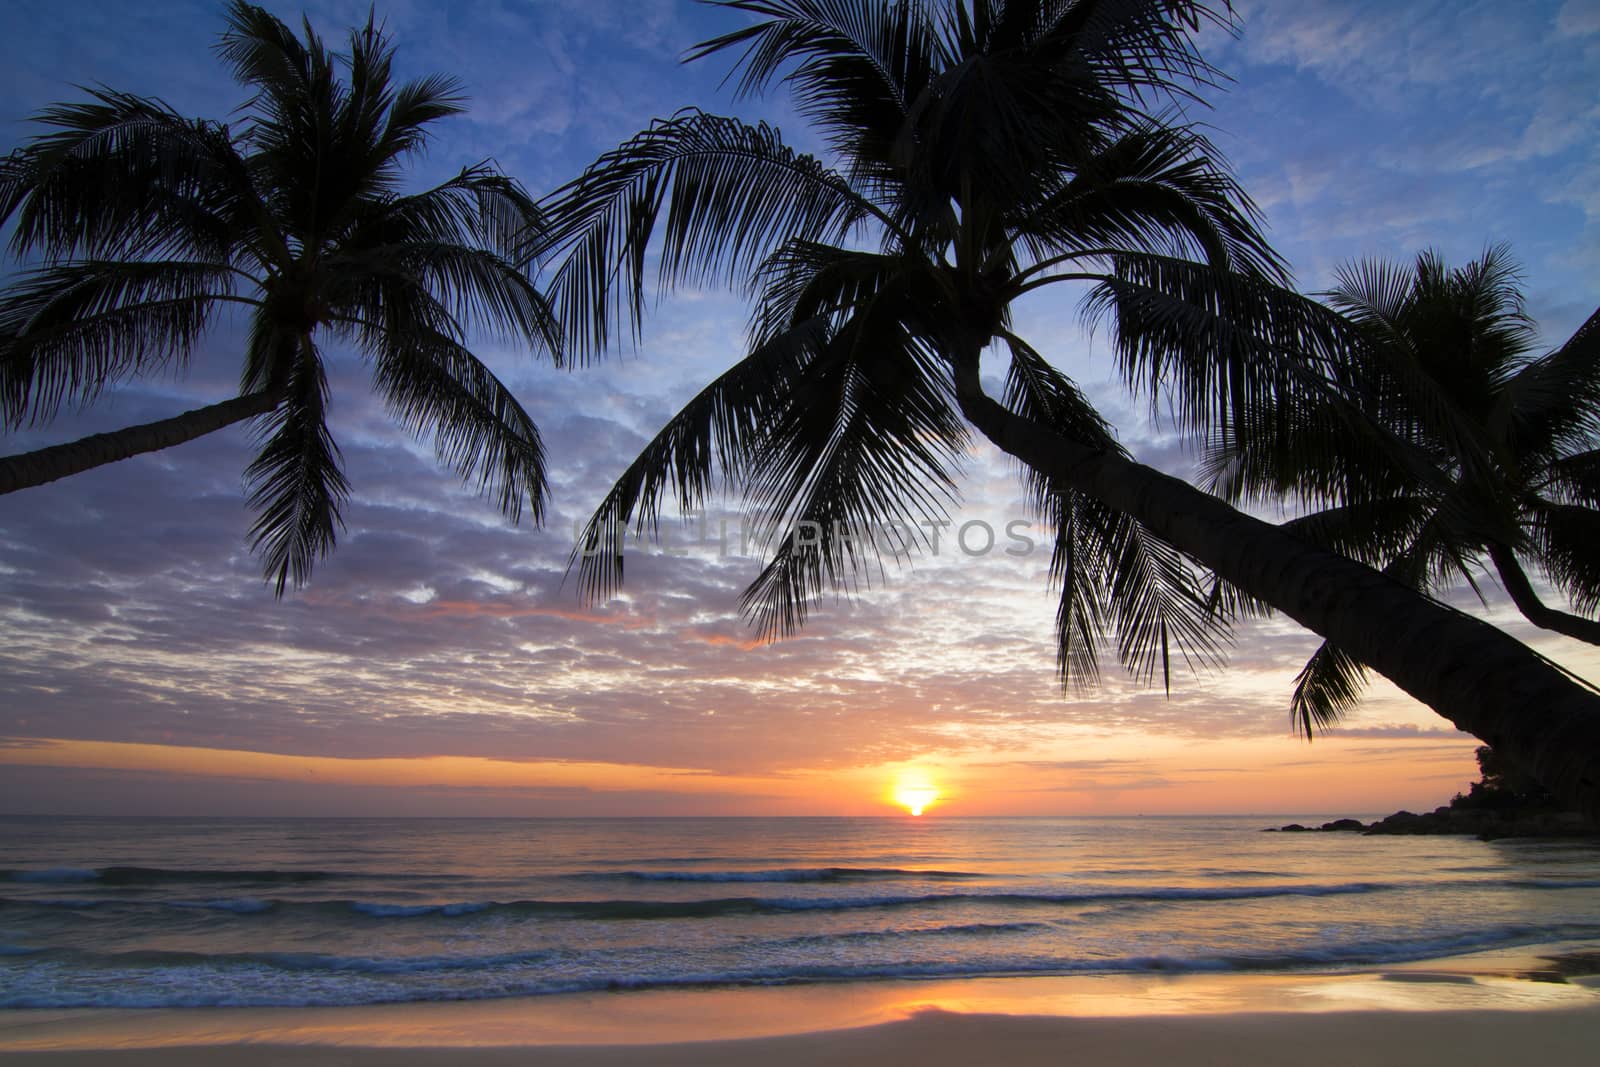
[984, 151]
[1496, 453]
[141, 226]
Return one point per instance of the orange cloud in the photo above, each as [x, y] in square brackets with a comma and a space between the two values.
[506, 609]
[723, 640]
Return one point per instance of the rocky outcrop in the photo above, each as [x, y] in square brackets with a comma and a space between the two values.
[1487, 824]
[1506, 802]
[1484, 824]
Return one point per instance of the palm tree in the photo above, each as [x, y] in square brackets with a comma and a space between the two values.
[1497, 453]
[984, 150]
[141, 226]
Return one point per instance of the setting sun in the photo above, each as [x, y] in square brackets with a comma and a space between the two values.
[915, 796]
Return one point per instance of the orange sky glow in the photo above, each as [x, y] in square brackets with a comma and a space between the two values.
[1157, 778]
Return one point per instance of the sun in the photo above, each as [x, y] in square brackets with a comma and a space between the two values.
[915, 795]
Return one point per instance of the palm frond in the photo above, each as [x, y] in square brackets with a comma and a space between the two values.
[856, 68]
[1145, 48]
[1573, 479]
[1439, 556]
[1327, 689]
[479, 206]
[264, 54]
[384, 123]
[1439, 340]
[730, 193]
[295, 481]
[1159, 604]
[362, 120]
[1555, 400]
[1141, 584]
[441, 391]
[1036, 390]
[1329, 454]
[1275, 384]
[70, 330]
[1159, 187]
[805, 280]
[1031, 91]
[1237, 358]
[1567, 543]
[416, 104]
[472, 287]
[378, 125]
[352, 133]
[867, 442]
[271, 351]
[1486, 295]
[1075, 565]
[1373, 531]
[714, 436]
[122, 176]
[306, 120]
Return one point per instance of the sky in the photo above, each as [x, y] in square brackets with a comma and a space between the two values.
[439, 664]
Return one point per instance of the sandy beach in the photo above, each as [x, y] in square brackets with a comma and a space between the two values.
[1460, 1039]
[1486, 1010]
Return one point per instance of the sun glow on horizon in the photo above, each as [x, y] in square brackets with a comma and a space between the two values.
[916, 795]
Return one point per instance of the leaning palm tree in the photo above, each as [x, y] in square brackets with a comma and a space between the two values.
[1496, 463]
[139, 227]
[982, 151]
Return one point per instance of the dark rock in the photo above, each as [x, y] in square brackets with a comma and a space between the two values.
[1473, 822]
[1486, 824]
[1401, 822]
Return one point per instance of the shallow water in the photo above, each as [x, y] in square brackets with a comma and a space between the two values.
[200, 912]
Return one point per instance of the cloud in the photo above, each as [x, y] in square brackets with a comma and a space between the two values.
[1380, 129]
[1397, 731]
[1578, 18]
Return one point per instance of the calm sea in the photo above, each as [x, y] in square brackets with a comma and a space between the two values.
[193, 912]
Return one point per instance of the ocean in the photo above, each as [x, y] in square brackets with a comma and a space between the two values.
[199, 912]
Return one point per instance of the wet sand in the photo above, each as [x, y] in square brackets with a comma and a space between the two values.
[1487, 1010]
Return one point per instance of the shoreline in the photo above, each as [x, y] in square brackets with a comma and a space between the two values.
[1437, 1011]
[1563, 1038]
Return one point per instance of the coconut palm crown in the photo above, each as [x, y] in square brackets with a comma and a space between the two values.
[139, 228]
[1497, 462]
[981, 151]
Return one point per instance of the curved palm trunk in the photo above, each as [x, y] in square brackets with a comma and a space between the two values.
[1533, 609]
[59, 461]
[1480, 679]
